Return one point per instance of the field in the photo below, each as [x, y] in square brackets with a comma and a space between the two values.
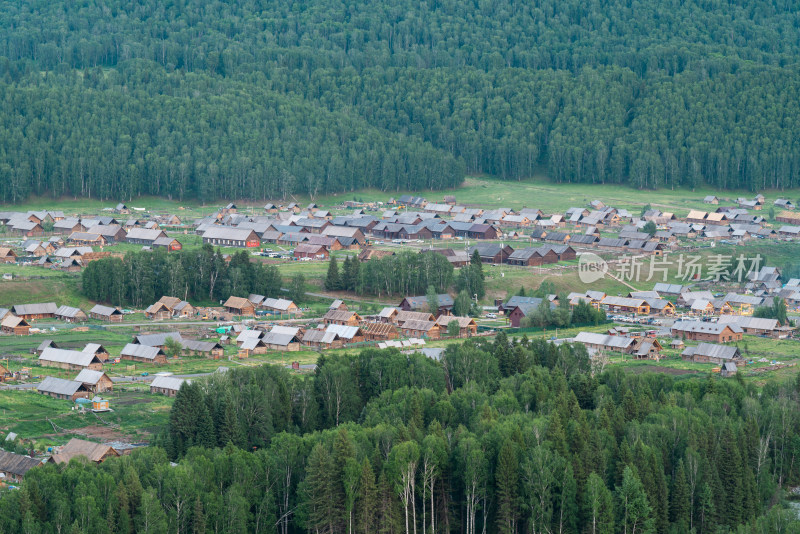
[136, 416]
[538, 192]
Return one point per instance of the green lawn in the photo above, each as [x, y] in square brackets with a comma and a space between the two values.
[63, 289]
[136, 415]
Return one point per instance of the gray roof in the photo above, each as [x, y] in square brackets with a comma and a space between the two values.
[141, 351]
[104, 310]
[344, 332]
[143, 234]
[736, 298]
[168, 382]
[703, 327]
[276, 338]
[16, 464]
[232, 234]
[749, 322]
[319, 336]
[251, 343]
[712, 350]
[66, 252]
[59, 386]
[517, 300]
[67, 311]
[200, 346]
[89, 376]
[34, 309]
[276, 304]
[613, 342]
[422, 301]
[72, 357]
[157, 340]
[44, 344]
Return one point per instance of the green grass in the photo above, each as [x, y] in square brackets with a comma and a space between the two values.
[64, 290]
[137, 413]
[538, 191]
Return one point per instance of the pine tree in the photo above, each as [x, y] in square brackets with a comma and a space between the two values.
[433, 300]
[557, 436]
[333, 280]
[388, 512]
[679, 499]
[344, 452]
[706, 510]
[366, 500]
[350, 273]
[507, 484]
[322, 514]
[729, 467]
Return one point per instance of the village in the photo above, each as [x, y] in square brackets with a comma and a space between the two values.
[90, 359]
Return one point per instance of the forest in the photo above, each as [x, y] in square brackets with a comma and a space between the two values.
[261, 99]
[203, 275]
[499, 436]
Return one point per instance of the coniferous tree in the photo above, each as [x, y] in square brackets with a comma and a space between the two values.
[507, 483]
[366, 503]
[344, 456]
[706, 510]
[432, 298]
[729, 467]
[679, 499]
[332, 280]
[322, 512]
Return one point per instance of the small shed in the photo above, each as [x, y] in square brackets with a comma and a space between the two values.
[239, 306]
[15, 325]
[70, 314]
[466, 325]
[13, 467]
[58, 388]
[94, 381]
[69, 359]
[106, 313]
[94, 452]
[143, 353]
[167, 385]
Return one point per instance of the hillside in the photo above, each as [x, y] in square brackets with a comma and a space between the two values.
[262, 99]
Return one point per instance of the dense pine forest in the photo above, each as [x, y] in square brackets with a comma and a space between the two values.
[261, 99]
[499, 436]
[141, 278]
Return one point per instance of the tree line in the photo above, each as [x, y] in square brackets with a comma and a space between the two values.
[498, 436]
[259, 100]
[202, 275]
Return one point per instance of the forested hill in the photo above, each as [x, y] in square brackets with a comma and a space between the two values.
[258, 99]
